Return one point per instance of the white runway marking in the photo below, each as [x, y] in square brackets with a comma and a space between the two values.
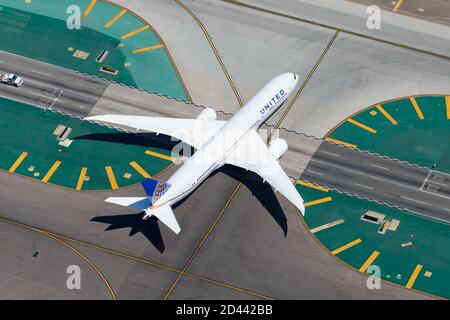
[379, 167]
[35, 71]
[331, 153]
[415, 200]
[364, 186]
[320, 174]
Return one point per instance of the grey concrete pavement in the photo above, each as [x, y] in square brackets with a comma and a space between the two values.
[33, 266]
[352, 17]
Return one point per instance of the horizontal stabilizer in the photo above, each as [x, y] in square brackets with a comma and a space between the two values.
[166, 216]
[131, 202]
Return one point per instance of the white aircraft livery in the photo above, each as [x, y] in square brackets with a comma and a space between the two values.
[217, 143]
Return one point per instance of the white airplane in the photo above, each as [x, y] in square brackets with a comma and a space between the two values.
[234, 142]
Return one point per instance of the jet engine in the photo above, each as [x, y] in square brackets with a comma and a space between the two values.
[278, 147]
[207, 114]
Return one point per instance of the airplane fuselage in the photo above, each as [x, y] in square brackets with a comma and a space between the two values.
[213, 154]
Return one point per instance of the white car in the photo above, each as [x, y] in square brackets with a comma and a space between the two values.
[12, 79]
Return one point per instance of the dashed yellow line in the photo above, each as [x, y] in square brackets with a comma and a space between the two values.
[135, 32]
[369, 261]
[17, 163]
[397, 5]
[417, 108]
[157, 46]
[318, 201]
[447, 106]
[81, 178]
[312, 186]
[414, 276]
[159, 155]
[387, 115]
[89, 8]
[111, 177]
[117, 17]
[139, 169]
[50, 172]
[347, 246]
[327, 226]
[341, 142]
[362, 126]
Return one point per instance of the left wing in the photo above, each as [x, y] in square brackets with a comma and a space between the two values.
[252, 154]
[194, 132]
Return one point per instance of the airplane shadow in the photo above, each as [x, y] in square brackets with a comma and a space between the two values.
[149, 228]
[144, 139]
[261, 191]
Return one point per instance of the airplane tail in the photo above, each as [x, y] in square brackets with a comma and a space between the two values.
[154, 190]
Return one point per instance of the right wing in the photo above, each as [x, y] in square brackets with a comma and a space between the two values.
[194, 132]
[252, 154]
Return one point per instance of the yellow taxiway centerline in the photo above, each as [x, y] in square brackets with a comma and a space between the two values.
[89, 8]
[50, 172]
[417, 108]
[117, 17]
[369, 261]
[362, 126]
[387, 115]
[17, 163]
[397, 5]
[112, 178]
[341, 142]
[135, 32]
[347, 246]
[318, 201]
[414, 276]
[312, 186]
[158, 46]
[139, 169]
[81, 178]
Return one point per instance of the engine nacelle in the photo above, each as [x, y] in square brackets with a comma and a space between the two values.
[207, 114]
[278, 147]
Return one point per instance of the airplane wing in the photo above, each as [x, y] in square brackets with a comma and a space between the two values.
[194, 132]
[252, 154]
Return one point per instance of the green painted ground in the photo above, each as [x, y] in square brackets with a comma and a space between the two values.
[424, 142]
[38, 30]
[430, 240]
[24, 128]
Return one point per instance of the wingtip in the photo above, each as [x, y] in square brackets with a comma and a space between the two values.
[93, 118]
[302, 209]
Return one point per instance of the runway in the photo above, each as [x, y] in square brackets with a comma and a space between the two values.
[423, 191]
[48, 86]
